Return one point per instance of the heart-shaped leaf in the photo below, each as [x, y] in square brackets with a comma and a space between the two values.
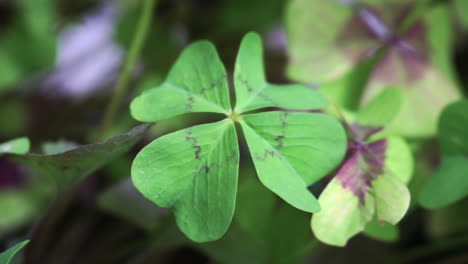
[196, 83]
[342, 215]
[293, 150]
[254, 92]
[194, 171]
[448, 185]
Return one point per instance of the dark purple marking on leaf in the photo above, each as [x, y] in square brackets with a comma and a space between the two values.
[233, 157]
[214, 84]
[267, 153]
[207, 168]
[279, 139]
[245, 83]
[250, 90]
[194, 143]
[190, 101]
[365, 163]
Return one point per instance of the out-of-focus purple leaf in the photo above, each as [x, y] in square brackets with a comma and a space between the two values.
[88, 58]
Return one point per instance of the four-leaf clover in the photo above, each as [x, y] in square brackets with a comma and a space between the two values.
[194, 171]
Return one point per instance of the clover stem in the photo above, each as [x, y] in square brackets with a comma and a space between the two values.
[126, 72]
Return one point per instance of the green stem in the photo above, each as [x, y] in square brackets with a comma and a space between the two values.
[124, 78]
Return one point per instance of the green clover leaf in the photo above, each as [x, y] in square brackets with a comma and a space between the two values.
[194, 171]
[450, 182]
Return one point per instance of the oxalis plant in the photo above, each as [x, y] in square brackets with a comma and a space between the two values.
[194, 171]
[369, 190]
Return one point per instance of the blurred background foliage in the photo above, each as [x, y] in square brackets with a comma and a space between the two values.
[59, 60]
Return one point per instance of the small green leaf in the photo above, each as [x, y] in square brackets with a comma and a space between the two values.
[15, 146]
[342, 215]
[68, 167]
[292, 151]
[254, 92]
[399, 158]
[382, 109]
[194, 171]
[448, 185]
[392, 197]
[196, 83]
[7, 256]
[453, 129]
